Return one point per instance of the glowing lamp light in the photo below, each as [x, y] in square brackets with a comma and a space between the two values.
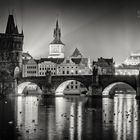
[79, 71]
[72, 71]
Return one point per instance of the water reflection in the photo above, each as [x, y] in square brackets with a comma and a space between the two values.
[27, 115]
[73, 118]
[122, 113]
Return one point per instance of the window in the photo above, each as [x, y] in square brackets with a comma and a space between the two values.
[71, 87]
[63, 72]
[76, 72]
[67, 61]
[76, 87]
[67, 72]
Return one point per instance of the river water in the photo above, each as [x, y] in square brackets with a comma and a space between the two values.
[70, 118]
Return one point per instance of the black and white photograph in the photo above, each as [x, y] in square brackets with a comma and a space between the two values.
[69, 70]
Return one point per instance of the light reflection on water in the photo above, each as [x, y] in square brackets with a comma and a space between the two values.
[73, 118]
[122, 112]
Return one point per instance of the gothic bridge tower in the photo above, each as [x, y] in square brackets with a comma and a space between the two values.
[11, 46]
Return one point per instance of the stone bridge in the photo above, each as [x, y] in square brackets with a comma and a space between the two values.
[95, 84]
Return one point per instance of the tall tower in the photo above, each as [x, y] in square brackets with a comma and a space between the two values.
[56, 47]
[11, 44]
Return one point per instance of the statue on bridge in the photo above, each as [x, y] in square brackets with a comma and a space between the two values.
[48, 72]
[48, 80]
[95, 69]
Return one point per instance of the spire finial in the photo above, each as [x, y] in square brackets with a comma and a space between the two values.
[11, 28]
[57, 26]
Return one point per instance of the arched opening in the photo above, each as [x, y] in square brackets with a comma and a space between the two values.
[70, 85]
[29, 88]
[16, 72]
[118, 87]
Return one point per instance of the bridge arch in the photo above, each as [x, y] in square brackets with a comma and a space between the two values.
[62, 86]
[23, 85]
[108, 91]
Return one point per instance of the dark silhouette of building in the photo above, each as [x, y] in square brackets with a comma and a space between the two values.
[11, 46]
[105, 66]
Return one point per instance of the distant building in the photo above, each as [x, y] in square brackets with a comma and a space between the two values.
[105, 66]
[56, 47]
[133, 59]
[46, 65]
[126, 70]
[131, 65]
[29, 68]
[67, 67]
[33, 67]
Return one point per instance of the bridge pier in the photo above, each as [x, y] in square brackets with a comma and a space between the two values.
[138, 86]
[138, 93]
[15, 86]
[94, 91]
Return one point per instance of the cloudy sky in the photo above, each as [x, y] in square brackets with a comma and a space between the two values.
[107, 28]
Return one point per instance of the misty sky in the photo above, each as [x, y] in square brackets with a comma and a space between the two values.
[107, 28]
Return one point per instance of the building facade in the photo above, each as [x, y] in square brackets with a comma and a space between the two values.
[76, 64]
[133, 59]
[29, 68]
[131, 65]
[46, 65]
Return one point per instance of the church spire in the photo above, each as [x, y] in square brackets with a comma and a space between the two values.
[57, 35]
[11, 28]
[57, 32]
[57, 26]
